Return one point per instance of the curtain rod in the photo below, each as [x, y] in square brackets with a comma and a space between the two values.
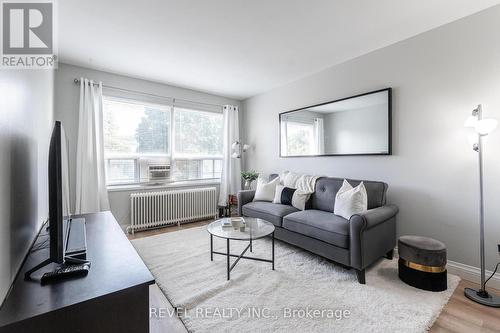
[77, 81]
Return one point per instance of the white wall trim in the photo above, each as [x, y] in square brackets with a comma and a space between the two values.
[471, 273]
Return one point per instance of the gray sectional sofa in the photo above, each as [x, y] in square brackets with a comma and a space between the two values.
[356, 243]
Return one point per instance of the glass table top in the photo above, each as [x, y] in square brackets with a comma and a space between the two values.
[254, 228]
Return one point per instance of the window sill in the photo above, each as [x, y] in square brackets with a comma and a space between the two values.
[187, 183]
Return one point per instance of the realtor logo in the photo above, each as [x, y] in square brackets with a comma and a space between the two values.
[28, 35]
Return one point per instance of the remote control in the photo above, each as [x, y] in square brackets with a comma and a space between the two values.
[66, 272]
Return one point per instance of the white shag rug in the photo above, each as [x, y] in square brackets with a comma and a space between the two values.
[305, 293]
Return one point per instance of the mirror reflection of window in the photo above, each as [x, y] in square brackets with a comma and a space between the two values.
[302, 135]
[358, 125]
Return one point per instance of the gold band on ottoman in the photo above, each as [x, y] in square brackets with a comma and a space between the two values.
[423, 268]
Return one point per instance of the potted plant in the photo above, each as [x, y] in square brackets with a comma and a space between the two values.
[249, 177]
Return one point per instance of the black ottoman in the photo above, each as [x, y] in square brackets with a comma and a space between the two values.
[422, 263]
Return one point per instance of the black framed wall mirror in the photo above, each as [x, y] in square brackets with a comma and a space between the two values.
[356, 125]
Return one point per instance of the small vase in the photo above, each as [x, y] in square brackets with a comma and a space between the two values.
[247, 184]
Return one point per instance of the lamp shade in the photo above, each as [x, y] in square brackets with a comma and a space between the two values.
[486, 126]
[470, 121]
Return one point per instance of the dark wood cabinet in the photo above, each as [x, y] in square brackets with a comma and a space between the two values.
[113, 297]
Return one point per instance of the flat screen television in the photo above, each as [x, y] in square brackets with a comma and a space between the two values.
[57, 185]
[56, 219]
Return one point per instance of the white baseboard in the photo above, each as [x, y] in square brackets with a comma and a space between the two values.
[469, 273]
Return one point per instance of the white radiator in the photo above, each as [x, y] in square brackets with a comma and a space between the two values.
[154, 209]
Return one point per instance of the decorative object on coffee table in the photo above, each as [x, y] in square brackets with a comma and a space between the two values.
[422, 262]
[254, 229]
[482, 127]
[249, 177]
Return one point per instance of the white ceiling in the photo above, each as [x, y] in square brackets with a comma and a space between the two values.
[239, 48]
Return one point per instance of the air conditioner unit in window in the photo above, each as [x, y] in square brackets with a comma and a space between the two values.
[159, 172]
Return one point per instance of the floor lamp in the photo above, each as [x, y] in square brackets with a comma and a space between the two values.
[483, 127]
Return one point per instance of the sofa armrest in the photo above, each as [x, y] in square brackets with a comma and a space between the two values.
[372, 235]
[244, 197]
[372, 217]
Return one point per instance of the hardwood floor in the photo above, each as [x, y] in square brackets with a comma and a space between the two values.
[161, 320]
[460, 315]
[463, 315]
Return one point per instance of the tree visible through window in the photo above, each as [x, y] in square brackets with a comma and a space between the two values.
[138, 134]
[152, 133]
[300, 138]
[198, 133]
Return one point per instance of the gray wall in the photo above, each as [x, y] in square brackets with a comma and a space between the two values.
[67, 97]
[438, 78]
[26, 121]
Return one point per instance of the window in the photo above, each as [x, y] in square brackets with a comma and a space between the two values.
[300, 138]
[133, 128]
[198, 144]
[121, 170]
[198, 169]
[133, 133]
[138, 134]
[211, 168]
[197, 133]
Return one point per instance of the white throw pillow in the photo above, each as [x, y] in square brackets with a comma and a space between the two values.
[350, 201]
[277, 194]
[299, 199]
[292, 197]
[265, 190]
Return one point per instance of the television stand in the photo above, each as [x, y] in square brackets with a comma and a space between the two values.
[74, 244]
[68, 260]
[106, 300]
[27, 274]
[75, 239]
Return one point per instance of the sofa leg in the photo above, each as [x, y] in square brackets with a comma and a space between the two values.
[361, 276]
[389, 255]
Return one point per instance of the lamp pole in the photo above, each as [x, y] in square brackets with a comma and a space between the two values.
[479, 149]
[481, 296]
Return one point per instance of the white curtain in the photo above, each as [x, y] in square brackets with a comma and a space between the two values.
[231, 167]
[91, 193]
[319, 133]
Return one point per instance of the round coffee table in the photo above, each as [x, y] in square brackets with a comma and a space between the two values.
[255, 229]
